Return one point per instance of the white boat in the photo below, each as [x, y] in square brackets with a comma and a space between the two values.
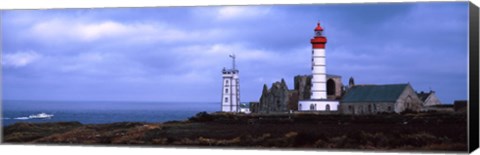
[41, 115]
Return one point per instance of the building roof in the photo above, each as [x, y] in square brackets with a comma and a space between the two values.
[423, 96]
[228, 71]
[244, 105]
[374, 93]
[333, 76]
[328, 76]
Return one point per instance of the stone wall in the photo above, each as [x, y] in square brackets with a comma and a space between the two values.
[293, 100]
[432, 100]
[303, 84]
[275, 99]
[278, 98]
[367, 108]
[338, 87]
[408, 100]
[254, 107]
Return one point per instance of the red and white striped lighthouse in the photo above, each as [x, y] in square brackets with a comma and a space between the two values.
[319, 80]
[318, 100]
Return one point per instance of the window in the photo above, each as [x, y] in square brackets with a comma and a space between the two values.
[327, 107]
[226, 99]
[389, 108]
[331, 87]
[299, 106]
[226, 81]
[370, 108]
[350, 108]
[408, 103]
[226, 90]
[312, 107]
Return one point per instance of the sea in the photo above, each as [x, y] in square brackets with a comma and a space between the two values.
[100, 112]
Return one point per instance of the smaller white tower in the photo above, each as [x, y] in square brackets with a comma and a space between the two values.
[230, 89]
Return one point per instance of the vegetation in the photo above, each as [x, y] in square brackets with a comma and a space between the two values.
[408, 131]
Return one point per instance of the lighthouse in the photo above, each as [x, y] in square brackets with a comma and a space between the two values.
[318, 99]
[230, 88]
[319, 66]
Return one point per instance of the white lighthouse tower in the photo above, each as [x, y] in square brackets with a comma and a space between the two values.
[318, 99]
[230, 89]
[319, 79]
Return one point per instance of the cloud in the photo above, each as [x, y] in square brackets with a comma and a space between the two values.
[63, 30]
[240, 12]
[84, 62]
[20, 59]
[104, 29]
[156, 50]
[58, 31]
[213, 56]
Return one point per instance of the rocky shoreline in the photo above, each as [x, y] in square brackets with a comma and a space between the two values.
[419, 131]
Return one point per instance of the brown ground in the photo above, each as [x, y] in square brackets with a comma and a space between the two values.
[433, 131]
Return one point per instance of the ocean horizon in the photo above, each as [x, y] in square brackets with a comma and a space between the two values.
[100, 112]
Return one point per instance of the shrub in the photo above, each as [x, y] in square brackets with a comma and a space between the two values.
[420, 139]
[201, 117]
[408, 111]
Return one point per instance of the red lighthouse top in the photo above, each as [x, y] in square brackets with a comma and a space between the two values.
[319, 40]
[318, 28]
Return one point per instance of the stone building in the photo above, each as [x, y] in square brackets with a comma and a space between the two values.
[281, 99]
[303, 83]
[275, 99]
[292, 100]
[334, 87]
[372, 99]
[429, 99]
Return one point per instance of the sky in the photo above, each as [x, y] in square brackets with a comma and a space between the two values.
[177, 53]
